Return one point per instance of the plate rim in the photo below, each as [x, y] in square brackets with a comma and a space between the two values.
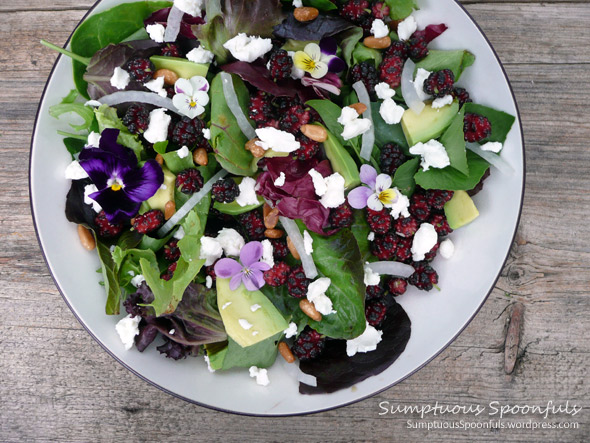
[294, 414]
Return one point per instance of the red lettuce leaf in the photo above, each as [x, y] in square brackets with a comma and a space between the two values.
[188, 21]
[334, 370]
[430, 32]
[323, 26]
[311, 212]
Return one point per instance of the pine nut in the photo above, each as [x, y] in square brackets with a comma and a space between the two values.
[292, 249]
[314, 132]
[305, 14]
[309, 309]
[377, 43]
[256, 150]
[273, 233]
[286, 352]
[200, 157]
[266, 210]
[160, 159]
[360, 108]
[86, 238]
[169, 209]
[271, 219]
[170, 77]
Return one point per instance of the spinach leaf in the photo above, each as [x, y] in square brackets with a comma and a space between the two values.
[334, 370]
[403, 178]
[281, 299]
[339, 258]
[453, 140]
[109, 275]
[228, 18]
[107, 118]
[361, 53]
[360, 229]
[501, 121]
[348, 43]
[74, 146]
[262, 354]
[452, 180]
[330, 113]
[456, 60]
[341, 161]
[176, 163]
[400, 9]
[227, 139]
[111, 26]
[385, 133]
[322, 5]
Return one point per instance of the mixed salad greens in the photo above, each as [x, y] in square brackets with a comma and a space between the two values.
[263, 177]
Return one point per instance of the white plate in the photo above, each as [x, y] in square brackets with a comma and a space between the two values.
[437, 317]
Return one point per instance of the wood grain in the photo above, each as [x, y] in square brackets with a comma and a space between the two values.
[58, 384]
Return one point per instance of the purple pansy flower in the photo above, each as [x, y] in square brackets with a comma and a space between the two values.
[376, 194]
[248, 271]
[320, 59]
[122, 185]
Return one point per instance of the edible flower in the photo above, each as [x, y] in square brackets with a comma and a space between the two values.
[317, 60]
[191, 96]
[121, 184]
[249, 270]
[376, 194]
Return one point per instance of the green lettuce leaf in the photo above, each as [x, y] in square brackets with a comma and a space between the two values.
[501, 121]
[68, 105]
[110, 280]
[403, 178]
[386, 133]
[456, 60]
[453, 140]
[452, 180]
[107, 118]
[400, 9]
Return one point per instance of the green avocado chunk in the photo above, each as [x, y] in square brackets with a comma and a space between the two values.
[248, 316]
[460, 210]
[341, 161]
[183, 67]
[163, 195]
[430, 124]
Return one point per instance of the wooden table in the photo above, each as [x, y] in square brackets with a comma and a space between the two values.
[56, 383]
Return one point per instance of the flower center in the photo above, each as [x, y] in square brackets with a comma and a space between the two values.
[387, 196]
[115, 184]
[193, 103]
[309, 64]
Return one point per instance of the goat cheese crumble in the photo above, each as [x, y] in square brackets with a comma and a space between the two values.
[400, 206]
[128, 328]
[157, 130]
[120, 78]
[365, 342]
[248, 48]
[157, 85]
[208, 282]
[371, 277]
[291, 331]
[231, 241]
[379, 29]
[245, 324]
[280, 181]
[307, 242]
[192, 7]
[156, 32]
[316, 293]
[391, 112]
[353, 125]
[74, 171]
[200, 55]
[267, 253]
[211, 250]
[423, 242]
[261, 375]
[441, 102]
[91, 189]
[447, 248]
[406, 28]
[247, 192]
[421, 76]
[277, 140]
[384, 91]
[183, 152]
[492, 147]
[137, 280]
[433, 153]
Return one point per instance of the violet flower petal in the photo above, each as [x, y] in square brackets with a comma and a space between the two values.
[235, 281]
[368, 175]
[336, 64]
[357, 198]
[227, 267]
[260, 266]
[116, 205]
[108, 143]
[251, 253]
[329, 46]
[141, 184]
[253, 281]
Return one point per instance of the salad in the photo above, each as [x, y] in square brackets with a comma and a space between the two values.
[261, 179]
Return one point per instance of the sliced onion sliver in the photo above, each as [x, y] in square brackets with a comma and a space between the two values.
[173, 25]
[190, 204]
[293, 370]
[150, 98]
[408, 90]
[294, 234]
[369, 136]
[492, 158]
[391, 268]
[234, 106]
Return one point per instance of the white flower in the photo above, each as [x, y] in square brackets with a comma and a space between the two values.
[379, 29]
[391, 112]
[384, 91]
[91, 189]
[296, 73]
[200, 55]
[156, 32]
[406, 28]
[191, 96]
[384, 195]
[120, 78]
[433, 153]
[277, 140]
[93, 139]
[246, 48]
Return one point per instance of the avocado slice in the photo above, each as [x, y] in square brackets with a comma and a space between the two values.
[183, 67]
[430, 124]
[163, 196]
[341, 161]
[460, 210]
[234, 306]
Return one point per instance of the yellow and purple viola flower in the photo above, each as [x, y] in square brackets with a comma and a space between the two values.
[122, 184]
[318, 60]
[249, 270]
[376, 194]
